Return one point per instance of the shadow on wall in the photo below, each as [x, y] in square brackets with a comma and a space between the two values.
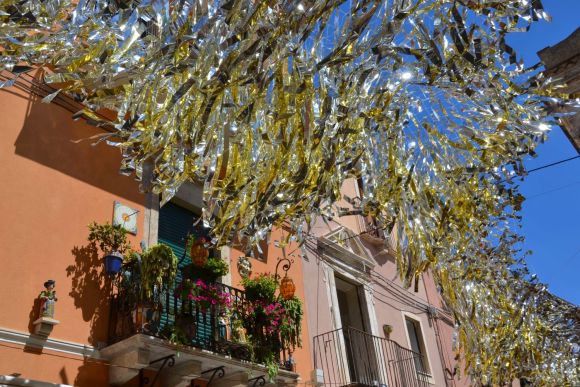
[51, 137]
[33, 315]
[34, 343]
[92, 373]
[91, 291]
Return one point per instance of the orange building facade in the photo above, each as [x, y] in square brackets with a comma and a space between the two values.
[56, 183]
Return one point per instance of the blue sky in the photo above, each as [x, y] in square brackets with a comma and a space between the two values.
[551, 212]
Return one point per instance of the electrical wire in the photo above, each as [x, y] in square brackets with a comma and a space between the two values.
[552, 190]
[396, 293]
[553, 164]
[401, 292]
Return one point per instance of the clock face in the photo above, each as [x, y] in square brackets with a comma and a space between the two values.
[125, 216]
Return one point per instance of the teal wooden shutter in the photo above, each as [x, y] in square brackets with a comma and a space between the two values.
[175, 223]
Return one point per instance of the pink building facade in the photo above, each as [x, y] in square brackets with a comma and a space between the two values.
[366, 328]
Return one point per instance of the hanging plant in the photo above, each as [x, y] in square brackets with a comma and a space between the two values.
[272, 368]
[159, 267]
[291, 325]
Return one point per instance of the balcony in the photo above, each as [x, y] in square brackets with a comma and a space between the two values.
[376, 236]
[349, 357]
[169, 340]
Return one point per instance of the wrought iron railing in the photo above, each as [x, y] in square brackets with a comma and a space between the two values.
[349, 356]
[168, 315]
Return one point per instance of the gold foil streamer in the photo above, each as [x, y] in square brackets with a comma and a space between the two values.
[272, 105]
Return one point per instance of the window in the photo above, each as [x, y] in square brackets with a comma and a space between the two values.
[417, 344]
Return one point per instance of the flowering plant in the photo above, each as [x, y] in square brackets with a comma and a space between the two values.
[206, 295]
[264, 316]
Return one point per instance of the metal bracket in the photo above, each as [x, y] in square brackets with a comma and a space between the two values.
[219, 371]
[168, 361]
[258, 381]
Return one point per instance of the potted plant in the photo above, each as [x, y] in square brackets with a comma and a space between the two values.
[112, 240]
[215, 268]
[261, 321]
[260, 288]
[158, 268]
[210, 271]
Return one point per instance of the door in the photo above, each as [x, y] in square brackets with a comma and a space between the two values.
[358, 342]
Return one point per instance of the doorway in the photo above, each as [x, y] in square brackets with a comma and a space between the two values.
[358, 342]
[349, 305]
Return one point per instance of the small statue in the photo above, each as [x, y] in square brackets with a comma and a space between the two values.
[47, 300]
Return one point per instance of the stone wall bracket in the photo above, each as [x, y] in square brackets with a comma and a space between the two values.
[44, 325]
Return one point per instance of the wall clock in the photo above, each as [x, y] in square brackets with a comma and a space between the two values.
[125, 216]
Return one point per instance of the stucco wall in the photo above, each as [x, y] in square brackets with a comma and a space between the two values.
[53, 184]
[391, 301]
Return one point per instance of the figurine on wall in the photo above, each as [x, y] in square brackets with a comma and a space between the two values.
[47, 299]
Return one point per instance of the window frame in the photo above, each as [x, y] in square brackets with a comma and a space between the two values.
[418, 324]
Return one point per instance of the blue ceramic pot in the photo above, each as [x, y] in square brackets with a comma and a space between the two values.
[113, 262]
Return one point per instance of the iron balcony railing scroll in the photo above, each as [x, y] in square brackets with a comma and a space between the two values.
[204, 328]
[349, 356]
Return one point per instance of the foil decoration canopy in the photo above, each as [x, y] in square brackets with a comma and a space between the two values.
[272, 105]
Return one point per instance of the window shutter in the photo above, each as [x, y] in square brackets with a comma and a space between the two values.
[175, 223]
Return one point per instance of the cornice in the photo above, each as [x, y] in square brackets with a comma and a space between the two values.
[39, 342]
[9, 380]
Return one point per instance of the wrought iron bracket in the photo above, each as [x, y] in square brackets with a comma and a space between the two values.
[285, 267]
[258, 381]
[218, 371]
[168, 361]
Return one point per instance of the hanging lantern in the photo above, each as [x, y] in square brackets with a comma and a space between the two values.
[198, 252]
[287, 288]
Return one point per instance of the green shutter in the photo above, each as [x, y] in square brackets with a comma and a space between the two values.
[175, 223]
